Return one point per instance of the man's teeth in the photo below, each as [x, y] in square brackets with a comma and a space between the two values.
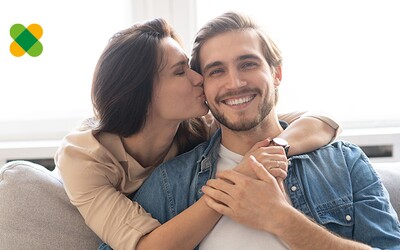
[238, 101]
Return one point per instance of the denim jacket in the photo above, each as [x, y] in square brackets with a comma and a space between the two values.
[335, 185]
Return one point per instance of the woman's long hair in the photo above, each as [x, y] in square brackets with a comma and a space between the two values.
[123, 80]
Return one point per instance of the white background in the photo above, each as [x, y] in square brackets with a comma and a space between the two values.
[340, 57]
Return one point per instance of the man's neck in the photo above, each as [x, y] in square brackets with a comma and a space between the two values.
[241, 142]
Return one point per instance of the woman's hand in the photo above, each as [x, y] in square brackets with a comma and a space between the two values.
[258, 203]
[272, 158]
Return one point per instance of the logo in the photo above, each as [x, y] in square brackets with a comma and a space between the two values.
[26, 40]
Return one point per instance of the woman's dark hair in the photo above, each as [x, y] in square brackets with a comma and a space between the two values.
[123, 83]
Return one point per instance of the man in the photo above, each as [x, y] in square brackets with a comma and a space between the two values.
[332, 198]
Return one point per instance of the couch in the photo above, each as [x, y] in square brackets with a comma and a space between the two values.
[35, 212]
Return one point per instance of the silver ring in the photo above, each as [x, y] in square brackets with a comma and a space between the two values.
[278, 164]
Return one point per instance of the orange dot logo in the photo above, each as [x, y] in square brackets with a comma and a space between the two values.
[26, 40]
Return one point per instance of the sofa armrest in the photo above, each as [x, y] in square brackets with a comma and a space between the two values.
[36, 212]
[390, 175]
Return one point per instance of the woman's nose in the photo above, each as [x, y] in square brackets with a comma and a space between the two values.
[197, 79]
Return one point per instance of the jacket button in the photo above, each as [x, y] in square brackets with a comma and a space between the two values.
[293, 188]
[348, 217]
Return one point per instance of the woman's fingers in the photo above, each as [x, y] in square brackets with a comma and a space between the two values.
[273, 159]
[278, 169]
[217, 206]
[259, 169]
[260, 144]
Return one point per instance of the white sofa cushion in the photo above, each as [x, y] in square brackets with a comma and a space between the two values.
[390, 175]
[35, 212]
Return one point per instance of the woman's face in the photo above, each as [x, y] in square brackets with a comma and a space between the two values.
[178, 91]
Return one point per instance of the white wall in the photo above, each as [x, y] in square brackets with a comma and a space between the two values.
[40, 139]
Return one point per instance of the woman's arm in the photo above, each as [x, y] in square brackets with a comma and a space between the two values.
[184, 231]
[308, 131]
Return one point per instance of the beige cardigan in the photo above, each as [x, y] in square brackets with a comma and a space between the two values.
[98, 174]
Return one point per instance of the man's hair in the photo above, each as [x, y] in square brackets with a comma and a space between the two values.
[123, 83]
[234, 21]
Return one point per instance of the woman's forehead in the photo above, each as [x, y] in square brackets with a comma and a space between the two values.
[171, 54]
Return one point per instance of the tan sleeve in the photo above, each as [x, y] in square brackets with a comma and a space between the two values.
[328, 119]
[291, 117]
[91, 187]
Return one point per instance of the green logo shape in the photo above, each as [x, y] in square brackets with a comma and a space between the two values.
[26, 40]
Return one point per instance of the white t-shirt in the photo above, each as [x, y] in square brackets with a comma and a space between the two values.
[228, 234]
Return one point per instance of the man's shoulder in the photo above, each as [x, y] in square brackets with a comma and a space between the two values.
[336, 155]
[187, 158]
[193, 156]
[183, 164]
[338, 151]
[338, 147]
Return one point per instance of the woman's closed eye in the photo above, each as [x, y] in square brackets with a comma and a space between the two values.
[181, 71]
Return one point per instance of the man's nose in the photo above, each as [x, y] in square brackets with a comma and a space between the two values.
[235, 80]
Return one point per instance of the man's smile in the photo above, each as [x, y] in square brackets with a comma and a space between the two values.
[239, 101]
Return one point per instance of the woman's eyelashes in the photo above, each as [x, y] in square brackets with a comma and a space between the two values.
[180, 71]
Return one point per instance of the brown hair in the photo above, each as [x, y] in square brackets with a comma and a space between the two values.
[123, 83]
[234, 21]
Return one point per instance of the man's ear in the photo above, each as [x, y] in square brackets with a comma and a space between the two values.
[278, 76]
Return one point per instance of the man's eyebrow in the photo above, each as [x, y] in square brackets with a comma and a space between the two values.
[240, 58]
[210, 65]
[248, 56]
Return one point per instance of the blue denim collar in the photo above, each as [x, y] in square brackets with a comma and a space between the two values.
[210, 155]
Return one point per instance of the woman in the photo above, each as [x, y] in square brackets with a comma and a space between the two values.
[145, 96]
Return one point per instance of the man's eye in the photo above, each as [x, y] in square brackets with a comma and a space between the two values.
[180, 73]
[248, 65]
[215, 72]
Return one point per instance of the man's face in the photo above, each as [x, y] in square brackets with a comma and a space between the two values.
[238, 82]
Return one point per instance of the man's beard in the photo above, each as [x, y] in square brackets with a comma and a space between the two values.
[264, 108]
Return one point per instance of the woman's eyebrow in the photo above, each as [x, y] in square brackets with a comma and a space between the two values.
[180, 63]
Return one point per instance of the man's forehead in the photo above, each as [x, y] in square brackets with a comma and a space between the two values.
[231, 45]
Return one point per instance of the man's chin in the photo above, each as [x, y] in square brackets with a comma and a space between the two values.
[238, 125]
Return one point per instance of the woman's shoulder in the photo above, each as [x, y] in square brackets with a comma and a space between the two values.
[88, 147]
